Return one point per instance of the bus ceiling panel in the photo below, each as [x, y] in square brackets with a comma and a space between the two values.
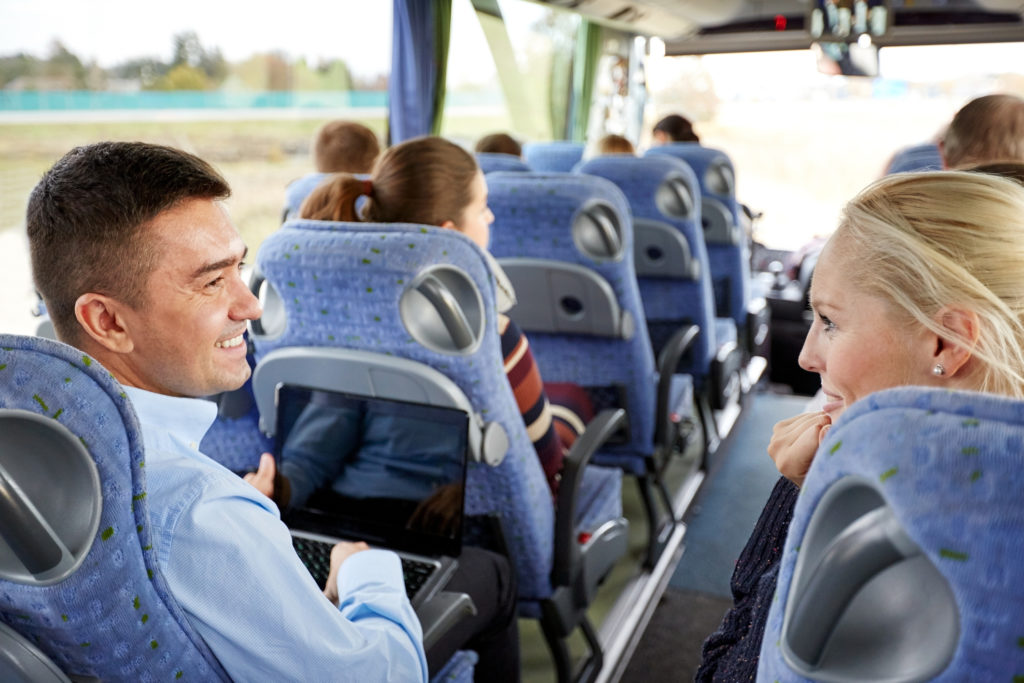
[783, 25]
[663, 18]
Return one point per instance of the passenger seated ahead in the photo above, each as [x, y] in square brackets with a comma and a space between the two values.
[345, 147]
[499, 143]
[435, 182]
[615, 144]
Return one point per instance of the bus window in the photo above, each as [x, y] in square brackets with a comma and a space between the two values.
[803, 142]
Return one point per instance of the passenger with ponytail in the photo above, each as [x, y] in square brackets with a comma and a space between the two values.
[432, 181]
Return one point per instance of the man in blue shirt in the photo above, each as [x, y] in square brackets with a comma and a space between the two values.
[140, 267]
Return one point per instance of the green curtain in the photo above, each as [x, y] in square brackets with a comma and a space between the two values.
[588, 51]
[442, 38]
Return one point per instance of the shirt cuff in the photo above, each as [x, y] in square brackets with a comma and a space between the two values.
[372, 567]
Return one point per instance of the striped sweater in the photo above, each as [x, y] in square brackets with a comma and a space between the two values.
[551, 427]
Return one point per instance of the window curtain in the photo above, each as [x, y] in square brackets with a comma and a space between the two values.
[588, 51]
[421, 32]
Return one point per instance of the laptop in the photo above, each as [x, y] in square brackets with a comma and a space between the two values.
[390, 473]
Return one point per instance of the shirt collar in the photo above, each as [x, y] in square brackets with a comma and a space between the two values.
[189, 418]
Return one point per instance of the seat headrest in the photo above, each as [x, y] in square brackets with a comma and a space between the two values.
[913, 502]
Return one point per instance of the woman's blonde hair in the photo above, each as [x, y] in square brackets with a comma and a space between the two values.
[925, 241]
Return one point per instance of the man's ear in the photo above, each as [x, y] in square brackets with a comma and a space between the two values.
[450, 225]
[102, 318]
[954, 349]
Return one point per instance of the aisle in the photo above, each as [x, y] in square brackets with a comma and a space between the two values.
[741, 477]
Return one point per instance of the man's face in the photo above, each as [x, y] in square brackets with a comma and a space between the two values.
[187, 333]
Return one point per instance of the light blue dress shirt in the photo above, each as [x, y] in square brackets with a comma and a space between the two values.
[228, 561]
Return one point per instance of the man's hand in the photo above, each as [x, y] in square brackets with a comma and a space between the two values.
[339, 553]
[794, 442]
[263, 478]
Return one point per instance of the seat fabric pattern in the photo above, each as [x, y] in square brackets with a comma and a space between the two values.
[923, 157]
[949, 465]
[557, 156]
[459, 668]
[113, 618]
[533, 217]
[298, 190]
[341, 285]
[492, 161]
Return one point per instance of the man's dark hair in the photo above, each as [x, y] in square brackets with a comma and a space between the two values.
[86, 217]
[498, 143]
[677, 128]
[986, 129]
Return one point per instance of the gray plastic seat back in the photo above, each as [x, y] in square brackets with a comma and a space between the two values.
[556, 297]
[50, 499]
[22, 662]
[364, 373]
[866, 603]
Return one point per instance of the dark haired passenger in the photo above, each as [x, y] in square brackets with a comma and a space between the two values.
[987, 129]
[674, 128]
[499, 143]
[615, 144]
[345, 147]
[140, 267]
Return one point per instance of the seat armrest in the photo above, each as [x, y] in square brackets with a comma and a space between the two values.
[440, 613]
[668, 360]
[567, 552]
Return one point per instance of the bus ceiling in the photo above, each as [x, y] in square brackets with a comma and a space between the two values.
[694, 27]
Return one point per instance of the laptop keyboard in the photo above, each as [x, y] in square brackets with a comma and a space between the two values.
[316, 555]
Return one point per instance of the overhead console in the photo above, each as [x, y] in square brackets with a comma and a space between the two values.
[668, 19]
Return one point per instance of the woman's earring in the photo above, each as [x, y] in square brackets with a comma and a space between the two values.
[938, 370]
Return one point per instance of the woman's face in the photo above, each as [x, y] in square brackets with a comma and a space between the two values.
[476, 219]
[856, 343]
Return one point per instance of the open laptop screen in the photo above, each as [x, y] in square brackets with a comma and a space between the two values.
[389, 472]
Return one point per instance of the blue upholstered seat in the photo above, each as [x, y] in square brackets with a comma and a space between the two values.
[493, 161]
[298, 190]
[360, 286]
[904, 559]
[727, 242]
[922, 157]
[559, 156]
[663, 191]
[566, 241]
[104, 610]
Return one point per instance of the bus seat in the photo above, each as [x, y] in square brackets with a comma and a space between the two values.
[458, 669]
[727, 242]
[567, 240]
[297, 191]
[79, 578]
[903, 559]
[559, 156]
[412, 294]
[923, 157]
[493, 161]
[662, 191]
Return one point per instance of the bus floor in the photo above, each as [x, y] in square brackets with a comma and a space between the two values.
[717, 523]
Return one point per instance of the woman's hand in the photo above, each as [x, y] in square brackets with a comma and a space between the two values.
[794, 442]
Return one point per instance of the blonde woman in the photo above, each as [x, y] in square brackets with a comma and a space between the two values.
[921, 284]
